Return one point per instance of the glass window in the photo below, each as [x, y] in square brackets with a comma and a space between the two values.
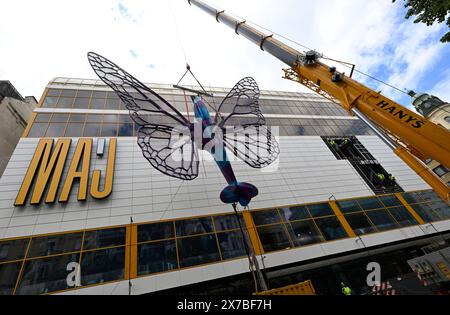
[390, 201]
[273, 237]
[266, 217]
[60, 117]
[53, 92]
[412, 197]
[425, 212]
[13, 249]
[402, 215]
[320, 209]
[231, 244]
[55, 130]
[97, 103]
[45, 274]
[157, 257]
[331, 228]
[370, 203]
[55, 244]
[429, 195]
[8, 277]
[50, 101]
[194, 226]
[104, 238]
[112, 104]
[109, 130]
[295, 213]
[94, 118]
[359, 223]
[102, 265]
[304, 232]
[67, 92]
[348, 206]
[84, 93]
[198, 250]
[441, 208]
[155, 231]
[228, 222]
[42, 118]
[110, 118]
[125, 130]
[74, 130]
[77, 118]
[99, 94]
[65, 102]
[440, 170]
[125, 119]
[81, 103]
[38, 130]
[91, 130]
[382, 220]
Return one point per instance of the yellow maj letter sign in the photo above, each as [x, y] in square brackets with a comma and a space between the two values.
[46, 169]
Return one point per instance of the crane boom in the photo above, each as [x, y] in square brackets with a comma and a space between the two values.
[414, 134]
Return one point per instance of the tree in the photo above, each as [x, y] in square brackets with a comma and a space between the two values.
[428, 12]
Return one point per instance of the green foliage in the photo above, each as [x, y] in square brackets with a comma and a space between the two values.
[428, 12]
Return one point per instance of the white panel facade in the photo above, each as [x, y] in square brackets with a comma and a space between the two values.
[307, 172]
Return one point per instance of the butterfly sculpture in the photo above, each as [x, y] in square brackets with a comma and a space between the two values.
[170, 142]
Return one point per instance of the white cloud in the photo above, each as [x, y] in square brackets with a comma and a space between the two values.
[51, 38]
[442, 89]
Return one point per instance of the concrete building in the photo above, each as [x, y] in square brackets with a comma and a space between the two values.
[437, 111]
[321, 214]
[15, 112]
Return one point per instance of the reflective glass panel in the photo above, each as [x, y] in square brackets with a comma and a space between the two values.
[402, 215]
[304, 232]
[55, 244]
[74, 130]
[390, 201]
[382, 220]
[441, 208]
[370, 203]
[425, 212]
[13, 249]
[412, 197]
[102, 265]
[157, 257]
[266, 217]
[55, 130]
[273, 237]
[104, 238]
[8, 277]
[348, 206]
[331, 228]
[320, 209]
[109, 130]
[125, 130]
[227, 222]
[42, 118]
[155, 231]
[65, 102]
[231, 244]
[198, 250]
[359, 223]
[38, 130]
[194, 226]
[294, 213]
[91, 130]
[45, 274]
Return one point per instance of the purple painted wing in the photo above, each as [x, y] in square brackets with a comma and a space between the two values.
[164, 134]
[243, 125]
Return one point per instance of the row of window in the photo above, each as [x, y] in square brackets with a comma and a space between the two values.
[111, 125]
[38, 264]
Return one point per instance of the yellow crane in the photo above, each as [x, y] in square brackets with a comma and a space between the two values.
[408, 134]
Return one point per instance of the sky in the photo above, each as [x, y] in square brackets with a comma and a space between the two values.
[154, 39]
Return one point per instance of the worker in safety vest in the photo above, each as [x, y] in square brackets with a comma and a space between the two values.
[381, 178]
[346, 289]
[391, 179]
[333, 143]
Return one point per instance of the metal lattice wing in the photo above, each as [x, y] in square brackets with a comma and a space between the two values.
[160, 123]
[241, 105]
[142, 102]
[170, 150]
[255, 145]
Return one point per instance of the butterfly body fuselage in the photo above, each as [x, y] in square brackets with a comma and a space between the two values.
[212, 143]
